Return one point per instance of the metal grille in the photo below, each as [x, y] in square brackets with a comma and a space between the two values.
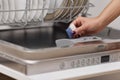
[66, 12]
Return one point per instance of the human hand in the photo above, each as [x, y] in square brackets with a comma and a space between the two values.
[87, 26]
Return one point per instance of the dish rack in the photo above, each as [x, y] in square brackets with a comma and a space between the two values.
[70, 8]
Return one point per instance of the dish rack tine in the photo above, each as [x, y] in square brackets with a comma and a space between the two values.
[24, 23]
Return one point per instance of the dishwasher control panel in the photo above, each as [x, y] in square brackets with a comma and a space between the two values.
[89, 60]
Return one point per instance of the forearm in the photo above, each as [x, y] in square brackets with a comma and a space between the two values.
[111, 12]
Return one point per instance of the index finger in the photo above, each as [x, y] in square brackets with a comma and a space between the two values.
[77, 22]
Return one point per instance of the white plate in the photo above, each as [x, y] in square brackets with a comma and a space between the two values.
[81, 3]
[19, 5]
[5, 14]
[77, 10]
[27, 13]
[66, 11]
[59, 12]
[52, 6]
[1, 8]
[33, 12]
[11, 7]
[39, 12]
[45, 11]
[73, 11]
[50, 13]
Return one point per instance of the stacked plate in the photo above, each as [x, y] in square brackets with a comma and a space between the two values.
[64, 9]
[39, 10]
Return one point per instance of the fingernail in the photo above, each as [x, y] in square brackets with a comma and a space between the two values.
[79, 35]
[74, 32]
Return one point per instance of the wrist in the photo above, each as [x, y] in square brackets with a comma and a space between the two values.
[101, 21]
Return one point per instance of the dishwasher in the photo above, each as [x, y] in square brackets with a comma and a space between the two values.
[28, 36]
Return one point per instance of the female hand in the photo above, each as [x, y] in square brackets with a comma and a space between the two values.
[87, 26]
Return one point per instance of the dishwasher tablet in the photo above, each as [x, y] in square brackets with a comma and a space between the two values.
[70, 30]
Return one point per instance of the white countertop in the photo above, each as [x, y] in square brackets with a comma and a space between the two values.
[80, 73]
[12, 73]
[77, 73]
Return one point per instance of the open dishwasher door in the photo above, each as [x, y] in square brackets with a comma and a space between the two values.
[34, 49]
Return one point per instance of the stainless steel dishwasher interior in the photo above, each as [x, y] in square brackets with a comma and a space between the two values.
[29, 49]
[39, 43]
[35, 38]
[24, 41]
